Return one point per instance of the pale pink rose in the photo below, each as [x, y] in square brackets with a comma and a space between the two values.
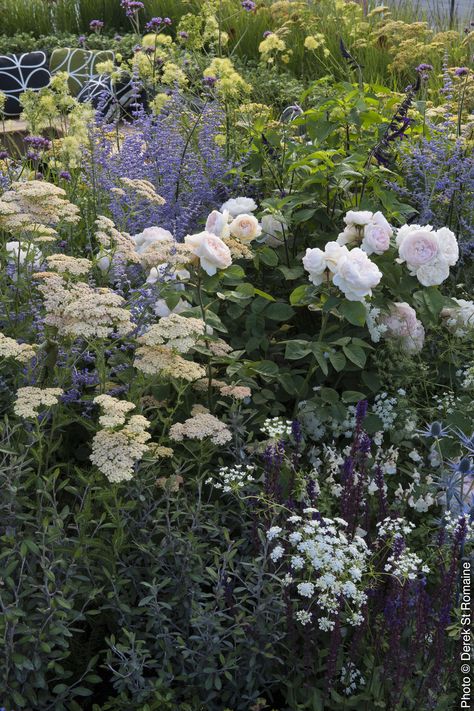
[218, 223]
[356, 275]
[314, 262]
[333, 253]
[377, 234]
[245, 228]
[418, 248]
[403, 326]
[213, 253]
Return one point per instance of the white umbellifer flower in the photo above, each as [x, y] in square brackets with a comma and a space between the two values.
[305, 589]
[245, 228]
[356, 275]
[239, 206]
[161, 308]
[428, 253]
[303, 617]
[277, 553]
[459, 320]
[273, 532]
[277, 427]
[30, 399]
[402, 325]
[233, 478]
[218, 223]
[213, 253]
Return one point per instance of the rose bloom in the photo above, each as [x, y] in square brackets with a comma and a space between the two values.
[403, 325]
[213, 253]
[218, 223]
[360, 218]
[377, 234]
[333, 253]
[239, 206]
[356, 275]
[245, 228]
[149, 236]
[428, 253]
[314, 262]
[272, 230]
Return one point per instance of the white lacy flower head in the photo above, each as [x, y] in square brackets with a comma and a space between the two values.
[30, 399]
[369, 230]
[245, 228]
[201, 426]
[149, 236]
[218, 223]
[356, 275]
[239, 206]
[428, 253]
[213, 253]
[326, 566]
[21, 352]
[403, 326]
[459, 320]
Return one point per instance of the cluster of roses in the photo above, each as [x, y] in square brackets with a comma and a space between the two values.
[427, 253]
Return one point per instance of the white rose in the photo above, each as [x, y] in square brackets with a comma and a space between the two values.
[356, 275]
[213, 253]
[239, 206]
[433, 274]
[448, 246]
[377, 234]
[360, 218]
[349, 235]
[245, 228]
[149, 236]
[218, 223]
[333, 253]
[161, 308]
[419, 246]
[314, 262]
[272, 230]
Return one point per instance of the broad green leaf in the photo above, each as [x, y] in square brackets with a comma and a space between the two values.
[354, 312]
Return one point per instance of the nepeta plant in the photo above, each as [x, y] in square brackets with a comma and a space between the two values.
[177, 152]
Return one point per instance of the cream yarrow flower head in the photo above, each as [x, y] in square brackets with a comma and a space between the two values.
[64, 264]
[163, 361]
[21, 352]
[114, 410]
[30, 399]
[176, 332]
[199, 427]
[35, 202]
[81, 310]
